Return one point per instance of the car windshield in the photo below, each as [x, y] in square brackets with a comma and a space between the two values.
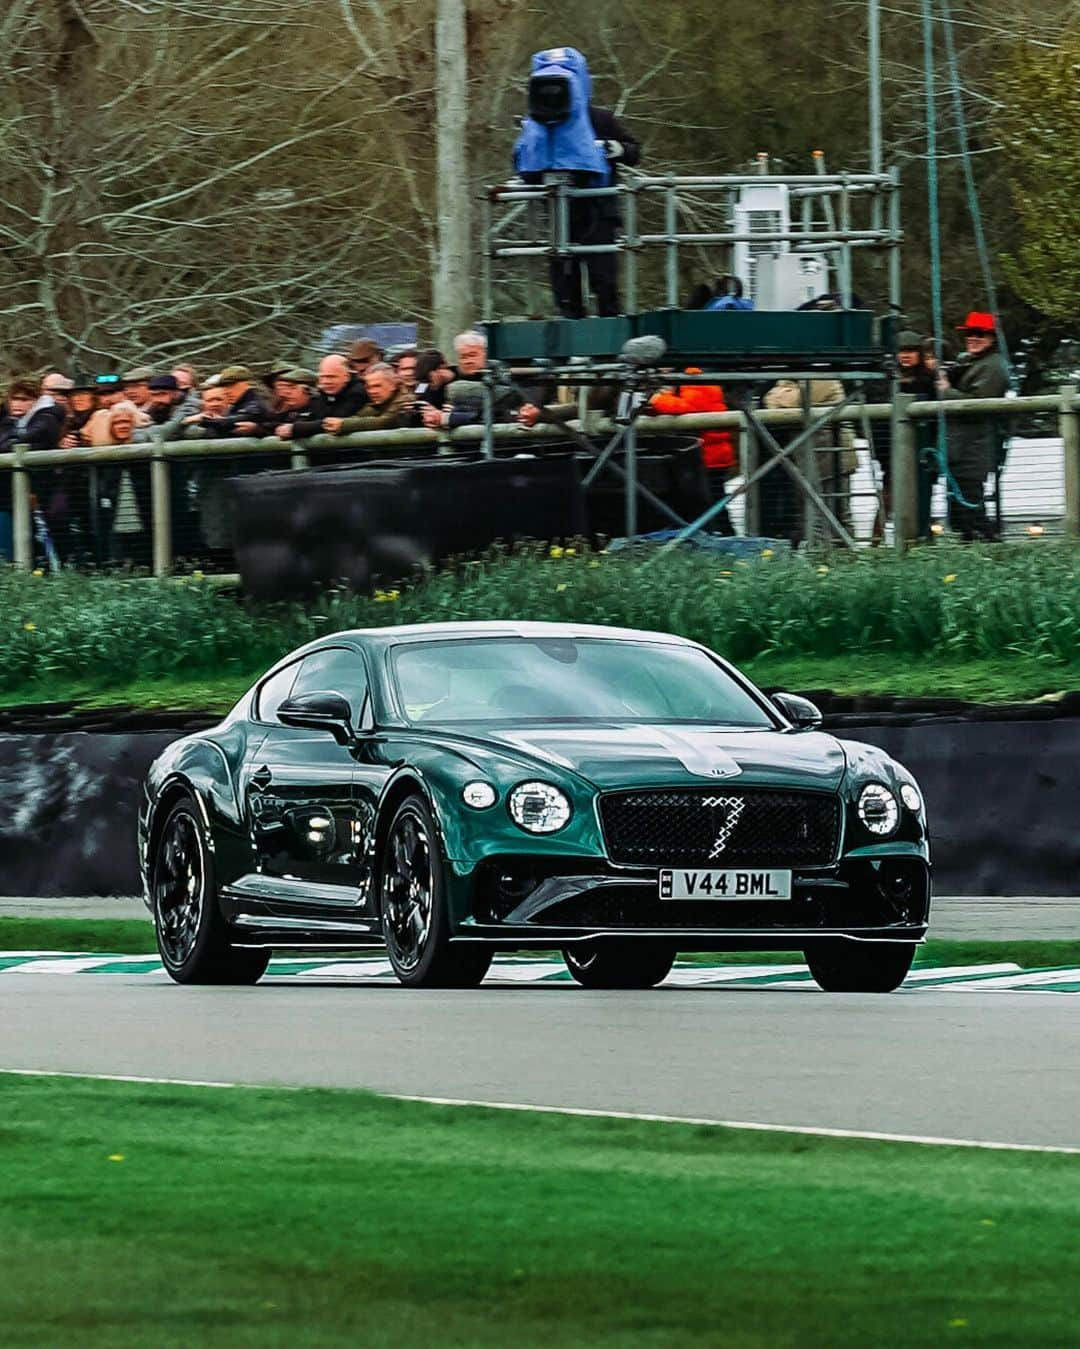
[515, 679]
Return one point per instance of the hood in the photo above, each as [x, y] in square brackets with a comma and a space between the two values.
[614, 756]
[570, 145]
[565, 58]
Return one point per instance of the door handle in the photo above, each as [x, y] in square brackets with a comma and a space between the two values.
[262, 777]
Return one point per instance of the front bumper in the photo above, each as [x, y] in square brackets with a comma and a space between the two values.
[873, 895]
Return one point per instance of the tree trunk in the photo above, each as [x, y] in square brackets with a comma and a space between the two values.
[452, 301]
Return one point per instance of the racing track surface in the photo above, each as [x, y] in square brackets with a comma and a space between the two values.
[996, 1066]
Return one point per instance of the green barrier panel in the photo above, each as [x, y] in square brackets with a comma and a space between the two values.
[761, 332]
[699, 335]
[558, 339]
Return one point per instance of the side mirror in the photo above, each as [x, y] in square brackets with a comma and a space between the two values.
[800, 711]
[320, 712]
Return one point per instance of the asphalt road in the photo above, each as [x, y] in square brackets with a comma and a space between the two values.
[995, 1066]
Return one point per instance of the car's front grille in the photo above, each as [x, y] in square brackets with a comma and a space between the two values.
[704, 826]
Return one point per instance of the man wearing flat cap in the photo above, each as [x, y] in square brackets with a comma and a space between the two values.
[247, 408]
[975, 442]
[136, 384]
[294, 388]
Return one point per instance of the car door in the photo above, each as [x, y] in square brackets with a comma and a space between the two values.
[299, 788]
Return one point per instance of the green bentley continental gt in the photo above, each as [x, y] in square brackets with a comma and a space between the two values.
[456, 789]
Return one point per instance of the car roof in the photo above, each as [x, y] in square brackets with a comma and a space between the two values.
[426, 632]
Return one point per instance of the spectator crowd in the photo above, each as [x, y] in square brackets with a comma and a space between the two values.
[362, 390]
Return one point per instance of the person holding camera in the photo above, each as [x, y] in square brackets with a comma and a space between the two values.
[564, 138]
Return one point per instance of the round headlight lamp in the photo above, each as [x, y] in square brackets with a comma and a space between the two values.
[479, 795]
[539, 808]
[878, 809]
[911, 798]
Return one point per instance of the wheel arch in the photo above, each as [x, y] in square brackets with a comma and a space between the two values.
[407, 783]
[174, 789]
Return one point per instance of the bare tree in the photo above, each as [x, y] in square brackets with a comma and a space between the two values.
[215, 178]
[202, 179]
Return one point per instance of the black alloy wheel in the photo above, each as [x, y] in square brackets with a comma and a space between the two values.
[180, 887]
[193, 938]
[620, 964]
[412, 901]
[844, 966]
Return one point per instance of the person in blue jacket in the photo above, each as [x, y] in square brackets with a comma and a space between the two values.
[564, 135]
[729, 295]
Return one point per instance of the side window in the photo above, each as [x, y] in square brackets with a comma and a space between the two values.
[336, 669]
[274, 692]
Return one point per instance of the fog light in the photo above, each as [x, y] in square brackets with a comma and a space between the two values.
[911, 798]
[479, 795]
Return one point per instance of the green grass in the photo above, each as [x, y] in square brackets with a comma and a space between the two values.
[132, 936]
[161, 1216]
[993, 622]
[1029, 955]
[989, 679]
[119, 936]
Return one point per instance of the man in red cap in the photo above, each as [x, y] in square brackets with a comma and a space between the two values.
[974, 441]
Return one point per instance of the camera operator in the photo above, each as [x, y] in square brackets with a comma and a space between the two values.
[565, 137]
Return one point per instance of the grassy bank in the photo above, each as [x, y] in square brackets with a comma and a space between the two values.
[135, 937]
[162, 1216]
[985, 623]
[991, 680]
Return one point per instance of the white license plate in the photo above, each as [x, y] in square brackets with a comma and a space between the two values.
[725, 884]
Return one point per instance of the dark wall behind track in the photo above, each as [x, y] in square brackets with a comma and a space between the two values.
[1004, 800]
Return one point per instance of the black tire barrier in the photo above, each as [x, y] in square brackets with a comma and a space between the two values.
[670, 467]
[378, 523]
[68, 812]
[1002, 800]
[1001, 796]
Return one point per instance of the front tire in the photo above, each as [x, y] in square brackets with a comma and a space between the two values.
[620, 964]
[860, 967]
[193, 938]
[412, 902]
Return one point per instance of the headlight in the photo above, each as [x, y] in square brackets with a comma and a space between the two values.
[878, 809]
[479, 795]
[539, 807]
[911, 798]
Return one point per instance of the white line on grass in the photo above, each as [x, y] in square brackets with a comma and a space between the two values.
[815, 1131]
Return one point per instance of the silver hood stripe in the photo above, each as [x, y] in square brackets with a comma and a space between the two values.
[697, 752]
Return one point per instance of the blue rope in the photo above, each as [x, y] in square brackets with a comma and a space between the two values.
[932, 187]
[969, 183]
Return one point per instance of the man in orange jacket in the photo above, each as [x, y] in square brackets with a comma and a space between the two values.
[719, 451]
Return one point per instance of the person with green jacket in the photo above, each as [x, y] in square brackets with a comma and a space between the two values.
[389, 405]
[974, 439]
